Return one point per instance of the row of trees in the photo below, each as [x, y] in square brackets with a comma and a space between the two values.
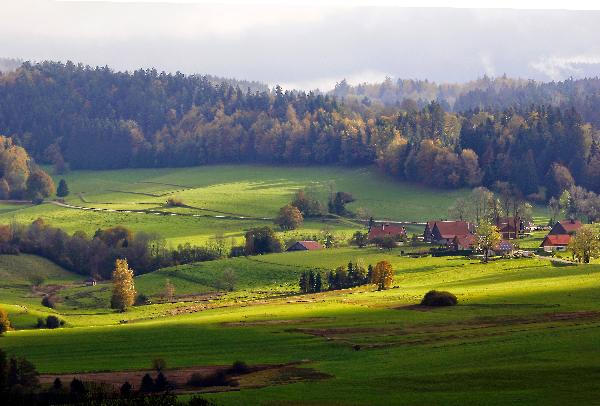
[356, 274]
[96, 255]
[20, 385]
[96, 118]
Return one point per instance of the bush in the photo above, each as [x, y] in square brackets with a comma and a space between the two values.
[49, 301]
[142, 300]
[439, 298]
[53, 322]
[175, 202]
[238, 368]
[40, 323]
[218, 378]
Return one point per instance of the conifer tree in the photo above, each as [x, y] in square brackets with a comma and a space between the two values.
[63, 189]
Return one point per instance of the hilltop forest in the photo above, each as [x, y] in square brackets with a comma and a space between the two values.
[539, 137]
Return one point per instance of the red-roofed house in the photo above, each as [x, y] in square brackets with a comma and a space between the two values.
[305, 246]
[555, 242]
[386, 230]
[463, 242]
[566, 227]
[443, 232]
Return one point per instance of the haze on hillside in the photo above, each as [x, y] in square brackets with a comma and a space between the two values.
[306, 46]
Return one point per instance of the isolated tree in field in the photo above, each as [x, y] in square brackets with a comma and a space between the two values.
[585, 245]
[40, 185]
[63, 189]
[382, 275]
[487, 237]
[4, 321]
[289, 218]
[123, 294]
[169, 290]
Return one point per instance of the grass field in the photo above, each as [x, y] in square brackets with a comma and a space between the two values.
[247, 191]
[524, 331]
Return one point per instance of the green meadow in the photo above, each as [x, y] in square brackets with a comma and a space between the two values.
[525, 331]
[217, 193]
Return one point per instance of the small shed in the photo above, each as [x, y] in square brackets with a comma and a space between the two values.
[504, 248]
[556, 242]
[305, 246]
[90, 282]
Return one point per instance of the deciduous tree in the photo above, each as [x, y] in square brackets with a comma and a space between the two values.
[123, 294]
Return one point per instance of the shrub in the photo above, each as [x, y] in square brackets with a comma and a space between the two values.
[175, 202]
[49, 301]
[142, 300]
[218, 378]
[53, 322]
[439, 298]
[40, 323]
[239, 368]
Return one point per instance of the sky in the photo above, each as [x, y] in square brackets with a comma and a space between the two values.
[312, 44]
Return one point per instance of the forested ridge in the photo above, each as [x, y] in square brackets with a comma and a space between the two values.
[537, 137]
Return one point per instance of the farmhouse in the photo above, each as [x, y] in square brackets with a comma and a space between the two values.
[565, 227]
[556, 242]
[386, 230]
[560, 235]
[305, 246]
[443, 232]
[461, 243]
[510, 227]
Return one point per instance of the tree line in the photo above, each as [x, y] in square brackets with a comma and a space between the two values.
[96, 255]
[95, 118]
[350, 276]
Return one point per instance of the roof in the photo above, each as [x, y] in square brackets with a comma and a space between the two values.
[450, 229]
[508, 223]
[505, 246]
[464, 240]
[385, 230]
[556, 240]
[571, 225]
[310, 245]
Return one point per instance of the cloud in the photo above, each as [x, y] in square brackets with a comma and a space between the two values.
[328, 83]
[558, 67]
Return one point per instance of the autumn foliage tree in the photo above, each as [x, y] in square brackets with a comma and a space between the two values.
[40, 185]
[289, 217]
[487, 237]
[383, 275]
[123, 293]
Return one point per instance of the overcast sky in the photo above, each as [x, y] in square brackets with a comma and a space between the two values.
[306, 46]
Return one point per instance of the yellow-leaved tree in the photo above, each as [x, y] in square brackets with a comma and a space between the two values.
[123, 294]
[4, 322]
[383, 275]
[487, 237]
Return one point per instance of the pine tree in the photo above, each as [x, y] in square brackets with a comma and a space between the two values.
[63, 189]
[302, 282]
[123, 295]
[318, 283]
[311, 282]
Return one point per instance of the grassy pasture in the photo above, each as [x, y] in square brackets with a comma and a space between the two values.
[523, 332]
[249, 191]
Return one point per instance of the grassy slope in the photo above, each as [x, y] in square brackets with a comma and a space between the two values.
[250, 191]
[499, 346]
[24, 305]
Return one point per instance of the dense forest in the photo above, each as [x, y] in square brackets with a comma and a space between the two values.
[539, 137]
